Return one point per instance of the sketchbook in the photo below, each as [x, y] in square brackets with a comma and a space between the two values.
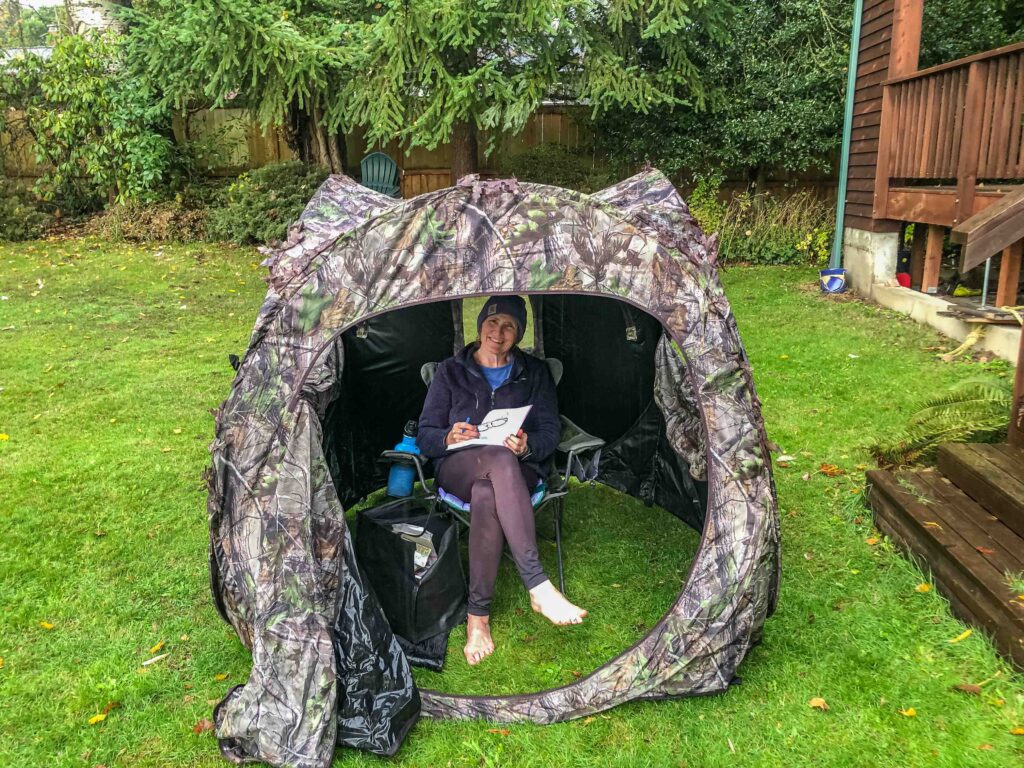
[496, 426]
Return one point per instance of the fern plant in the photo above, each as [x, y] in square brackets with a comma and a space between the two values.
[973, 409]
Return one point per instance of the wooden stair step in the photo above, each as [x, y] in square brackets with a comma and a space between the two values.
[966, 549]
[993, 475]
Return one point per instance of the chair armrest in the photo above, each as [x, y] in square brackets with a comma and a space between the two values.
[575, 439]
[402, 457]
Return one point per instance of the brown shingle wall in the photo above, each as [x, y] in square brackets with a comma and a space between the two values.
[872, 70]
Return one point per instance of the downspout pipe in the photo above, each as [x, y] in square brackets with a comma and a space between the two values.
[836, 259]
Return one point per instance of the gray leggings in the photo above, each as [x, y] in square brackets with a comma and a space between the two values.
[496, 485]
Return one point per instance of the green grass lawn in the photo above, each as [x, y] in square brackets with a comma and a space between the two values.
[111, 357]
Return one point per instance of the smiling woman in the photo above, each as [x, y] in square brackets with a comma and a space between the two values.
[497, 481]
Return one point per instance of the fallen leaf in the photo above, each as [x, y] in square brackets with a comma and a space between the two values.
[499, 731]
[202, 726]
[781, 463]
[177, 430]
[1, 662]
[908, 712]
[932, 524]
[861, 467]
[786, 457]
[808, 555]
[156, 648]
[45, 625]
[985, 550]
[1017, 731]
[588, 720]
[783, 357]
[155, 659]
[818, 703]
[998, 702]
[962, 636]
[806, 476]
[923, 588]
[576, 673]
[97, 718]
[221, 676]
[871, 541]
[4, 437]
[831, 470]
[968, 688]
[985, 746]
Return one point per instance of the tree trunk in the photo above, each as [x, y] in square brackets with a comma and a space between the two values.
[311, 142]
[464, 150]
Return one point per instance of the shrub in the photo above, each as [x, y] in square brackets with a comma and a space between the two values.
[97, 131]
[557, 165]
[20, 215]
[764, 229]
[975, 409]
[260, 204]
[182, 218]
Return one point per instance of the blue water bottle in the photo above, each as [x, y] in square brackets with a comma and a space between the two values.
[402, 476]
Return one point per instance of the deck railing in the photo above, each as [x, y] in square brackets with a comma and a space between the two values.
[958, 122]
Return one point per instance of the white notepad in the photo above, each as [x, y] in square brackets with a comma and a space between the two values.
[496, 426]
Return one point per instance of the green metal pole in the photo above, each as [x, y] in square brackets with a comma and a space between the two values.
[836, 260]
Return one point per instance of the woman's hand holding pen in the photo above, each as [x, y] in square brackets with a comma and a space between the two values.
[461, 431]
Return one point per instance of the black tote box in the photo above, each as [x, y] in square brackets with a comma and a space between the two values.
[411, 557]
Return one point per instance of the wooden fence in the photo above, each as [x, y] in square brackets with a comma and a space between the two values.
[234, 143]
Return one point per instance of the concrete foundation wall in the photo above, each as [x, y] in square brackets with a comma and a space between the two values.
[870, 262]
[869, 258]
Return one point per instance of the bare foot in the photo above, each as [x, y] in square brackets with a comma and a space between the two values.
[552, 605]
[479, 644]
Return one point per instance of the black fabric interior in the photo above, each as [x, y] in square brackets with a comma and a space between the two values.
[607, 350]
[380, 390]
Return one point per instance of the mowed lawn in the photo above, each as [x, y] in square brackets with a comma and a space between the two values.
[111, 357]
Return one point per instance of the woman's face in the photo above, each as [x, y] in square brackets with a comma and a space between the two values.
[498, 334]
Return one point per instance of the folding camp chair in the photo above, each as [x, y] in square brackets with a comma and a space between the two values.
[575, 443]
[380, 173]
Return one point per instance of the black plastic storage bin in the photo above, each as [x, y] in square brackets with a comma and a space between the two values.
[416, 609]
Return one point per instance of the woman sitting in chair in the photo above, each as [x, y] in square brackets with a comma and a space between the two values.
[497, 481]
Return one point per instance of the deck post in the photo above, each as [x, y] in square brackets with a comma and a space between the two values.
[904, 56]
[970, 141]
[1009, 275]
[932, 259]
[917, 251]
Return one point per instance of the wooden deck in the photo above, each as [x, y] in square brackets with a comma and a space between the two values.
[965, 523]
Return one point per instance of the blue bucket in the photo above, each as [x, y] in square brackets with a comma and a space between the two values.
[832, 280]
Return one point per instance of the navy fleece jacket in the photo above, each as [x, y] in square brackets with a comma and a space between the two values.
[459, 392]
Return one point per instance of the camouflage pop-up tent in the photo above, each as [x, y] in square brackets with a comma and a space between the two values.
[367, 288]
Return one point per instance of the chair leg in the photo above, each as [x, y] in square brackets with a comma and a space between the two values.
[558, 544]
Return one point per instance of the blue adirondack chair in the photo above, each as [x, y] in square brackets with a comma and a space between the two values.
[380, 173]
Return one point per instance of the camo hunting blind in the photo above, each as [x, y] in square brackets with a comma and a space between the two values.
[365, 289]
